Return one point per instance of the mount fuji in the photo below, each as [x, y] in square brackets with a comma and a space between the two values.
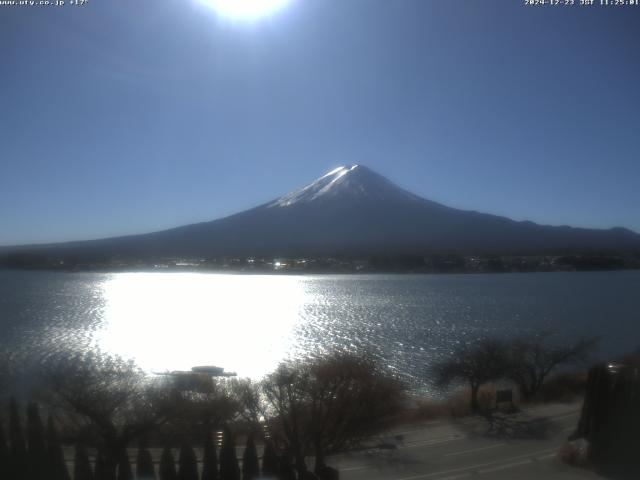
[352, 211]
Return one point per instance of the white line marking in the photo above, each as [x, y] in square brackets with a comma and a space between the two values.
[456, 477]
[545, 457]
[426, 443]
[462, 452]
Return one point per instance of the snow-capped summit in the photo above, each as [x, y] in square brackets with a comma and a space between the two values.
[348, 182]
[350, 210]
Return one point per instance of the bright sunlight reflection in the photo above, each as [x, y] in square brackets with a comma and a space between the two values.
[174, 322]
[245, 9]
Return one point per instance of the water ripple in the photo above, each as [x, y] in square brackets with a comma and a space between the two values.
[249, 323]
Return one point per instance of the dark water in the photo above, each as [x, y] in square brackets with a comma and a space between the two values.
[248, 323]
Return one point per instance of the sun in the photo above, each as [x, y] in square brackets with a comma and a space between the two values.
[245, 9]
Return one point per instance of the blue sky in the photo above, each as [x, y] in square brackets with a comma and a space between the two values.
[122, 116]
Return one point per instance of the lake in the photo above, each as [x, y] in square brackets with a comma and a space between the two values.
[249, 323]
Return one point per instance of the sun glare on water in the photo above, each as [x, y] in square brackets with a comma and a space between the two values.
[245, 9]
[171, 322]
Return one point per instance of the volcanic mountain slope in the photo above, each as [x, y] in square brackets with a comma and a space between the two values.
[354, 211]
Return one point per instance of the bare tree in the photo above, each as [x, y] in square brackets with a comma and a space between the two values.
[326, 404]
[109, 396]
[531, 359]
[250, 398]
[201, 405]
[475, 364]
[285, 393]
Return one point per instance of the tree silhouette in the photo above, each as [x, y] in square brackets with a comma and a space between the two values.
[476, 365]
[229, 468]
[531, 359]
[57, 465]
[18, 461]
[4, 454]
[102, 470]
[167, 465]
[287, 471]
[210, 460]
[111, 397]
[270, 466]
[188, 463]
[82, 465]
[325, 404]
[249, 397]
[37, 451]
[199, 403]
[124, 467]
[144, 465]
[250, 465]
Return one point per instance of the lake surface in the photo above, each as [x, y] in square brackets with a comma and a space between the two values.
[249, 323]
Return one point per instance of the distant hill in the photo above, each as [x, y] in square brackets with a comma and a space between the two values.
[349, 211]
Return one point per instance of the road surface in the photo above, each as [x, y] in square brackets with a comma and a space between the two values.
[520, 446]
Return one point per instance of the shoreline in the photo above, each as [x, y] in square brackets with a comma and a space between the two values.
[294, 272]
